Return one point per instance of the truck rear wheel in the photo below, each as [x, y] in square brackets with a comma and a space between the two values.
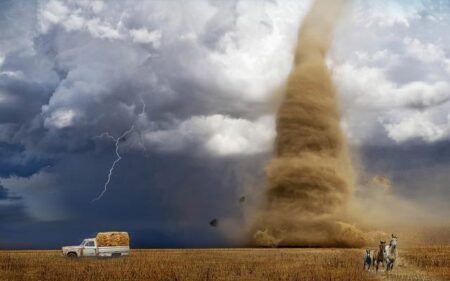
[72, 255]
[116, 255]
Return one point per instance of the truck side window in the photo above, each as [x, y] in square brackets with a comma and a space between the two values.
[90, 244]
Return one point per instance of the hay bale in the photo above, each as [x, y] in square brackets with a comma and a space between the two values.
[110, 239]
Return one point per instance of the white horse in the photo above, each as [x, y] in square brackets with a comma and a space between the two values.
[392, 253]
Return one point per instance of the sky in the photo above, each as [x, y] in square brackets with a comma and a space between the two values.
[179, 98]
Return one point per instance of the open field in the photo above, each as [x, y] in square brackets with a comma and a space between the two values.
[223, 264]
[432, 261]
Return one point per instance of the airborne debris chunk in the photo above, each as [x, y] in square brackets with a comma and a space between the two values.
[381, 181]
[214, 222]
[242, 199]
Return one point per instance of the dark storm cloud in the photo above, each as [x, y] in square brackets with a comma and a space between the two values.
[14, 161]
[205, 72]
[162, 200]
[4, 194]
[12, 210]
[13, 214]
[418, 172]
[70, 71]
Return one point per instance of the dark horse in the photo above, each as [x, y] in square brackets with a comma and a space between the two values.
[368, 260]
[380, 256]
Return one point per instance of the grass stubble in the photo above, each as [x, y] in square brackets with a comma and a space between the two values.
[421, 263]
[188, 264]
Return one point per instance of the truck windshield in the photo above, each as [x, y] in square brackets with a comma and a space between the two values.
[82, 243]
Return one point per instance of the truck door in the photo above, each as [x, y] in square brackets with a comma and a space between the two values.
[89, 249]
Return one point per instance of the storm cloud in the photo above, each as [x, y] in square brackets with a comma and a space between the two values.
[196, 81]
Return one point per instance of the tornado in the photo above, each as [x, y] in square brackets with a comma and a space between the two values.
[310, 179]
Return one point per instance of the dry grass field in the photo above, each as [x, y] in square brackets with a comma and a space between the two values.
[223, 264]
[434, 262]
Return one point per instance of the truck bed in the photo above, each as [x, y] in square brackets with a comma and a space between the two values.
[113, 251]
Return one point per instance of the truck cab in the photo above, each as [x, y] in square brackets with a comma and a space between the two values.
[89, 247]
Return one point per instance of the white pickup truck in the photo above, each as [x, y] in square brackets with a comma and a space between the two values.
[91, 247]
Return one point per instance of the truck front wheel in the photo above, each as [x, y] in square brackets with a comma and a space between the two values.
[72, 255]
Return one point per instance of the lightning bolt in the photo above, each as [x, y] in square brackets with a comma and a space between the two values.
[117, 150]
[118, 158]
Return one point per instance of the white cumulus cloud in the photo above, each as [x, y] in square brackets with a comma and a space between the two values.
[425, 52]
[388, 67]
[216, 134]
[416, 126]
[61, 119]
[144, 36]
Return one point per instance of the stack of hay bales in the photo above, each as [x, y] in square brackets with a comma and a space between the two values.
[111, 239]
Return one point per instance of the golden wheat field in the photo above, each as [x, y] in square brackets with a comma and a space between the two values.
[430, 263]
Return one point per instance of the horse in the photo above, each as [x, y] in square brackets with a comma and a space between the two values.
[392, 253]
[368, 259]
[380, 256]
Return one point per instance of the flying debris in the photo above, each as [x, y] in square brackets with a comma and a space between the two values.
[214, 223]
[381, 181]
[242, 199]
